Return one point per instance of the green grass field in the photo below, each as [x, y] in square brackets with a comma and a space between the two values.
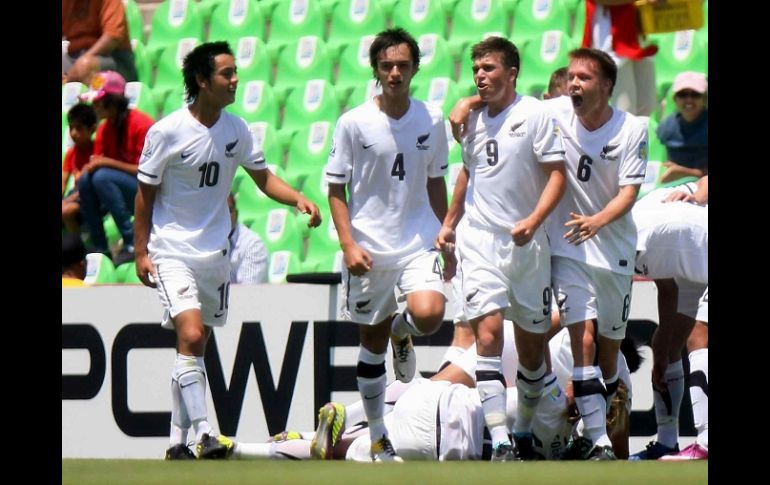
[114, 472]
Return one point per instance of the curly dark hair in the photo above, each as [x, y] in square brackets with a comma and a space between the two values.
[200, 61]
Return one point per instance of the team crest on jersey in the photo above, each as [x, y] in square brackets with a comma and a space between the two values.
[229, 148]
[643, 150]
[149, 145]
[512, 132]
[421, 142]
[605, 154]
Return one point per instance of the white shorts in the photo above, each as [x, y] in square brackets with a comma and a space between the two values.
[586, 292]
[688, 295]
[703, 307]
[370, 298]
[182, 286]
[497, 274]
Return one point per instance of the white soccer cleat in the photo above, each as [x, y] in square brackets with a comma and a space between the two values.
[382, 451]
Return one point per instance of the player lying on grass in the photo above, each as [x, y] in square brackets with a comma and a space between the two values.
[437, 419]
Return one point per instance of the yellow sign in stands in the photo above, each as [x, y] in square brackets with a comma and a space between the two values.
[670, 16]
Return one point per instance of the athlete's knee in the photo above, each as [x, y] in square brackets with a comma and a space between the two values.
[428, 313]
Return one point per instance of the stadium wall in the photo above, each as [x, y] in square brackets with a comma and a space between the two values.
[283, 353]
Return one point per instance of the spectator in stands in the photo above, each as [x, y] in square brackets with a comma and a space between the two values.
[73, 261]
[612, 26]
[248, 255]
[108, 180]
[686, 132]
[81, 119]
[97, 32]
[557, 85]
[182, 226]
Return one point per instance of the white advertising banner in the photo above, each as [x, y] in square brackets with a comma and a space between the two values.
[283, 353]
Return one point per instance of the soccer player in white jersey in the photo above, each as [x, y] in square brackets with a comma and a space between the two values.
[182, 224]
[390, 156]
[593, 262]
[672, 249]
[514, 176]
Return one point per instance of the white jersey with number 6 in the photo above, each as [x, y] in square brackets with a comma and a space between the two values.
[598, 164]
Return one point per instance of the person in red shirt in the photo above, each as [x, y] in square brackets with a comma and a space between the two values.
[612, 26]
[97, 32]
[108, 180]
[81, 119]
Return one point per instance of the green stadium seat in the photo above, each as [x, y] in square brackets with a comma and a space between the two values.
[266, 138]
[69, 95]
[574, 5]
[510, 6]
[354, 68]
[441, 92]
[282, 263]
[99, 269]
[323, 247]
[677, 52]
[268, 7]
[309, 151]
[134, 21]
[532, 17]
[363, 93]
[316, 188]
[465, 79]
[167, 78]
[280, 231]
[293, 19]
[301, 60]
[327, 6]
[140, 97]
[351, 20]
[233, 19]
[255, 101]
[578, 24]
[174, 100]
[540, 56]
[473, 20]
[174, 20]
[436, 60]
[126, 274]
[420, 17]
[141, 61]
[207, 7]
[656, 155]
[251, 202]
[323, 261]
[252, 59]
[315, 101]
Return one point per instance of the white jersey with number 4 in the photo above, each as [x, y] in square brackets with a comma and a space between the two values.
[503, 156]
[386, 164]
[194, 166]
[598, 164]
